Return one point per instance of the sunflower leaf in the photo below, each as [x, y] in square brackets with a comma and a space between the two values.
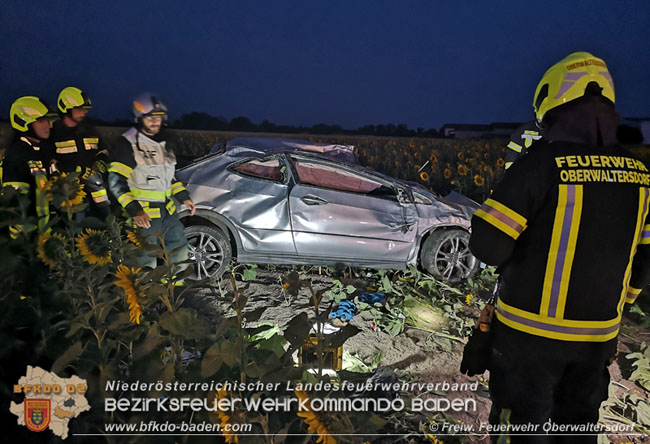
[211, 361]
[182, 323]
[150, 342]
[71, 354]
[297, 331]
[78, 323]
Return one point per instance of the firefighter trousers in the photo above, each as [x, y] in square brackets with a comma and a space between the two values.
[171, 229]
[543, 384]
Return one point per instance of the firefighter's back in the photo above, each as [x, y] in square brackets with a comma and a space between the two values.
[586, 214]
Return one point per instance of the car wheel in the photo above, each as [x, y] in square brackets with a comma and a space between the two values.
[209, 249]
[445, 254]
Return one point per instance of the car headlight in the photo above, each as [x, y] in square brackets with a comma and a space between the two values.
[421, 199]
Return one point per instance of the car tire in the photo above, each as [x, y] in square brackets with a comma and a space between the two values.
[445, 255]
[209, 249]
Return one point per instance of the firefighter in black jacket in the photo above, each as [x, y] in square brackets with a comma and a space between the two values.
[75, 146]
[522, 140]
[142, 178]
[24, 164]
[569, 229]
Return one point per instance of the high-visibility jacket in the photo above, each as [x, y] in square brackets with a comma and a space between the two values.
[25, 170]
[569, 228]
[141, 174]
[521, 141]
[79, 149]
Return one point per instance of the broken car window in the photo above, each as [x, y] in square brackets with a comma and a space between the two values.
[263, 168]
[326, 176]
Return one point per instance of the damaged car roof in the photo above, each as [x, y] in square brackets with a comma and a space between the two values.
[264, 145]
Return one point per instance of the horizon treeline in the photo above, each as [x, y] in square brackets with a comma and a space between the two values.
[206, 122]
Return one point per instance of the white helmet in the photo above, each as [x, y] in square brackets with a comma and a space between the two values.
[148, 105]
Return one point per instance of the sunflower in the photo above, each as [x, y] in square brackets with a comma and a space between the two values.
[127, 280]
[134, 238]
[412, 144]
[424, 176]
[500, 162]
[447, 173]
[292, 283]
[416, 155]
[225, 420]
[94, 247]
[313, 423]
[50, 247]
[468, 299]
[462, 170]
[65, 191]
[461, 156]
[478, 180]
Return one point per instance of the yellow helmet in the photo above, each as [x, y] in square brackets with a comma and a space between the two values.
[72, 97]
[567, 80]
[28, 110]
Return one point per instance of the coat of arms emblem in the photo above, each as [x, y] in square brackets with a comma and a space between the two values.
[37, 414]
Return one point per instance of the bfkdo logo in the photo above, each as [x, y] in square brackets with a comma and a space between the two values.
[37, 414]
[50, 402]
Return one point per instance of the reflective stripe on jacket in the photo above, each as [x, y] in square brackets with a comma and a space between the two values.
[23, 169]
[521, 141]
[142, 174]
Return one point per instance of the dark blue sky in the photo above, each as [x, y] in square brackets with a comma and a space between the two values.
[423, 63]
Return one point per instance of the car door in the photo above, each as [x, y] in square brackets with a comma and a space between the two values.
[338, 212]
[257, 203]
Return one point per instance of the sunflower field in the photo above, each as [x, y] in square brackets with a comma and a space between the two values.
[75, 300]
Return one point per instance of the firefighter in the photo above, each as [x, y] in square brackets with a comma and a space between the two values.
[568, 228]
[24, 166]
[141, 177]
[522, 140]
[75, 146]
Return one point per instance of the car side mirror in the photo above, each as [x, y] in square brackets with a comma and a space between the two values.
[403, 196]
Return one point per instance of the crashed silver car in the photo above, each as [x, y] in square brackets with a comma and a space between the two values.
[266, 200]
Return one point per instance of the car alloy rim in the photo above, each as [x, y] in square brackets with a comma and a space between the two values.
[205, 250]
[453, 260]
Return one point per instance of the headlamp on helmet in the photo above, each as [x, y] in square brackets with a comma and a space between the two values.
[568, 80]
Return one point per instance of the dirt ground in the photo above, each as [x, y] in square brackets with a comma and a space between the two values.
[413, 355]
